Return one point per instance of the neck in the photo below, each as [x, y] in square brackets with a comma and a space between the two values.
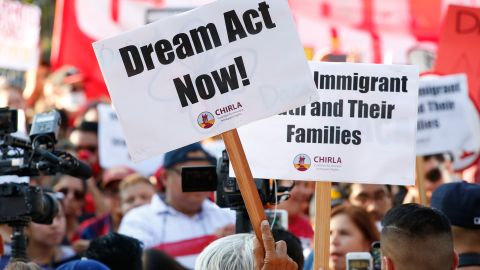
[116, 219]
[459, 248]
[41, 254]
[72, 226]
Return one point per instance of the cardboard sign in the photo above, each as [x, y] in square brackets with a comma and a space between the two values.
[19, 35]
[113, 148]
[362, 130]
[458, 48]
[446, 116]
[204, 72]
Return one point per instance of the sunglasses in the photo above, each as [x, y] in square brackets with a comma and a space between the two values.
[77, 194]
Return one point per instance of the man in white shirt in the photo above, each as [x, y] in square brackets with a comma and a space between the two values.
[179, 223]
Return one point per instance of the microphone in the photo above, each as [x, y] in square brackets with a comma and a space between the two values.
[78, 169]
[68, 164]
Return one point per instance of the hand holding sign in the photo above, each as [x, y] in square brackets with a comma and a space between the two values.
[274, 256]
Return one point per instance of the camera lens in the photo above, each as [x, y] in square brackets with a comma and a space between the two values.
[48, 211]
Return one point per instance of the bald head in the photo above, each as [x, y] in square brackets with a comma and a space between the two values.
[416, 237]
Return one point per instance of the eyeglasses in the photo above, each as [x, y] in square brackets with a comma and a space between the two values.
[77, 194]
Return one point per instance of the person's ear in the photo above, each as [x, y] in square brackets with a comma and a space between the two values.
[163, 178]
[387, 263]
[455, 260]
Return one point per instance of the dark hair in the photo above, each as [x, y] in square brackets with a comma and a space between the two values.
[294, 246]
[154, 259]
[417, 237]
[55, 179]
[440, 157]
[117, 251]
[361, 219]
[416, 221]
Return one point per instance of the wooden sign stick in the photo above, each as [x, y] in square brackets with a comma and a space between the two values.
[322, 225]
[245, 180]
[420, 181]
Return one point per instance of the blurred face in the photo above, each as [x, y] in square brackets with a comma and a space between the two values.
[74, 195]
[48, 235]
[136, 195]
[436, 174]
[344, 237]
[111, 197]
[70, 97]
[373, 198]
[86, 146]
[299, 197]
[188, 203]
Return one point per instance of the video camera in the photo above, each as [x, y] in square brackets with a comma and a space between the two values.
[21, 203]
[228, 195]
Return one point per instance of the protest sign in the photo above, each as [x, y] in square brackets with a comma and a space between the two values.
[204, 72]
[19, 35]
[362, 130]
[458, 46]
[113, 148]
[445, 114]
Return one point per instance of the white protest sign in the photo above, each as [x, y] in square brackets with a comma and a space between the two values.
[204, 72]
[113, 148]
[362, 130]
[447, 118]
[19, 35]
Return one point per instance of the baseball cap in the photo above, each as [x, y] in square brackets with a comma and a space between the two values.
[83, 264]
[460, 202]
[180, 155]
[116, 174]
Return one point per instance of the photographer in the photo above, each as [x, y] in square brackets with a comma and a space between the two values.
[32, 212]
[179, 220]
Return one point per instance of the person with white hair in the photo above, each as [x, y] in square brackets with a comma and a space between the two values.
[243, 251]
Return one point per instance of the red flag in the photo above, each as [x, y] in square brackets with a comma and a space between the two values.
[71, 46]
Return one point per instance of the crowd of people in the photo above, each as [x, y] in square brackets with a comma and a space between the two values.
[120, 219]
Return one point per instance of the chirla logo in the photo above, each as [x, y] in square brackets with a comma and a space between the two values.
[302, 162]
[205, 120]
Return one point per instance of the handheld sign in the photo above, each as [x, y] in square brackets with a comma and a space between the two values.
[20, 35]
[113, 148]
[458, 46]
[362, 130]
[204, 72]
[445, 114]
